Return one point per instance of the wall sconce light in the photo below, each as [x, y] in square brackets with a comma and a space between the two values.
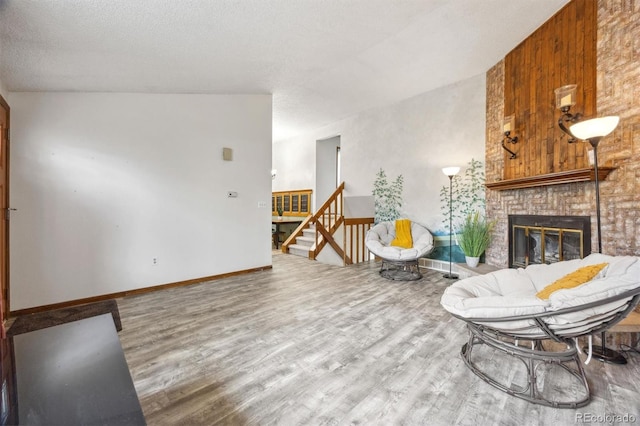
[508, 125]
[565, 99]
[273, 173]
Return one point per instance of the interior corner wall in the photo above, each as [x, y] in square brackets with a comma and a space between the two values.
[119, 191]
[415, 137]
[3, 90]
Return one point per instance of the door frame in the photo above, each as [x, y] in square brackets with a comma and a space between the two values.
[4, 245]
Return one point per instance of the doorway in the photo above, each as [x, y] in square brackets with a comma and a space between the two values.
[4, 211]
[327, 168]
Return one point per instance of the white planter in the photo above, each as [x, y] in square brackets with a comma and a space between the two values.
[472, 261]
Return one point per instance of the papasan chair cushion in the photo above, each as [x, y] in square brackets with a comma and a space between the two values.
[512, 293]
[378, 241]
[379, 238]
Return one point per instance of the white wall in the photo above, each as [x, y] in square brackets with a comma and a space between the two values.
[3, 90]
[416, 138]
[105, 183]
[295, 162]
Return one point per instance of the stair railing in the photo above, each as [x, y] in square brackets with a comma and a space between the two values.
[355, 231]
[297, 233]
[328, 219]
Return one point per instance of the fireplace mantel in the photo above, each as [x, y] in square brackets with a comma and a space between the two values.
[577, 175]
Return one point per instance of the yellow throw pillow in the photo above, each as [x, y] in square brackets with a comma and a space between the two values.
[574, 279]
[403, 234]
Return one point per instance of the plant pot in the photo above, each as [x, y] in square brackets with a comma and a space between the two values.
[472, 261]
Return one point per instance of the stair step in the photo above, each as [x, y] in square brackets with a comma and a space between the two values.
[299, 250]
[305, 241]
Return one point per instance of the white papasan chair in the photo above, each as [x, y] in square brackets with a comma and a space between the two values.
[503, 311]
[399, 263]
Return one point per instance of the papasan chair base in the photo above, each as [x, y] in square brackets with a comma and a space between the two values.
[534, 358]
[406, 270]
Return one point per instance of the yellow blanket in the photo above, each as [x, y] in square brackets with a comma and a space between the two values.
[403, 234]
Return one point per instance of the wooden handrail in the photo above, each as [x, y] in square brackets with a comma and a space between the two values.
[327, 220]
[295, 234]
[328, 217]
[331, 198]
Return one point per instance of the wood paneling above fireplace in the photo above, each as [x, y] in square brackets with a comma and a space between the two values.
[560, 52]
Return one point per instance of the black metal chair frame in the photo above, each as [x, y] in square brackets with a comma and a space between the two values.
[537, 355]
[400, 270]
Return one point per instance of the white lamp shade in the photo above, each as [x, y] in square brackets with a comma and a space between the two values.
[594, 128]
[451, 171]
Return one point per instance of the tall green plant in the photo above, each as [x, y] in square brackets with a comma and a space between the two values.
[475, 234]
[388, 197]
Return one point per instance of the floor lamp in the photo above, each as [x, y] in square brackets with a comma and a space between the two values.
[592, 131]
[450, 172]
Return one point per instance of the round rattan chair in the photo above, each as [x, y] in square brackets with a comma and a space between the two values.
[503, 313]
[400, 264]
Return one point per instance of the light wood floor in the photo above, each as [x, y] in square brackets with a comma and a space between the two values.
[313, 344]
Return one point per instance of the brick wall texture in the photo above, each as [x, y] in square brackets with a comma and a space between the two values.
[618, 93]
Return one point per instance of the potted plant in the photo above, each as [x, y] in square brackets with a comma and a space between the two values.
[474, 237]
[279, 212]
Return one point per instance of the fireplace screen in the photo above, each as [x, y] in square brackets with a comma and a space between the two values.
[535, 239]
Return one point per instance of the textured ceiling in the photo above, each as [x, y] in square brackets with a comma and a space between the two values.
[323, 60]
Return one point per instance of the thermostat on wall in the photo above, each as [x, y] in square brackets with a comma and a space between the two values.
[227, 154]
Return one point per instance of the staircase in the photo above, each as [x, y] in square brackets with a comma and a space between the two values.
[305, 243]
[328, 228]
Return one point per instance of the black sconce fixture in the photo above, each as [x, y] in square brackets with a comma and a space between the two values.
[508, 126]
[565, 99]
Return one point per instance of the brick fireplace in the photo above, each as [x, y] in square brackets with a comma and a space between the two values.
[618, 80]
[618, 73]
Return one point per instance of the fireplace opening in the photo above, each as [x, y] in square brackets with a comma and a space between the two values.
[537, 239]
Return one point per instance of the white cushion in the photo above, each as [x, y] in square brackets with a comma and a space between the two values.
[380, 236]
[512, 292]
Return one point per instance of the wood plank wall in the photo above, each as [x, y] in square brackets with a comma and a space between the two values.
[560, 52]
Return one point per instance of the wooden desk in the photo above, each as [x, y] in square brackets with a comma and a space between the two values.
[74, 374]
[284, 221]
